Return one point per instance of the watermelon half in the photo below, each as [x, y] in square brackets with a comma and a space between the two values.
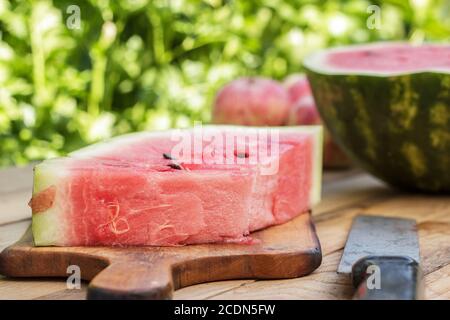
[388, 106]
[177, 187]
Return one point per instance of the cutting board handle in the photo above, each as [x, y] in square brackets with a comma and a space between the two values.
[132, 280]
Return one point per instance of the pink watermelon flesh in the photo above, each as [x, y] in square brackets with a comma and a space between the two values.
[133, 206]
[136, 195]
[391, 58]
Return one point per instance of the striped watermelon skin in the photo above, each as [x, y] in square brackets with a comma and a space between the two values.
[397, 127]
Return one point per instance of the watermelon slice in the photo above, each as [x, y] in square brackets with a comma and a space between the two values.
[144, 189]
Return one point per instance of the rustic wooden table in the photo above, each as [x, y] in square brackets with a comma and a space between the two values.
[345, 194]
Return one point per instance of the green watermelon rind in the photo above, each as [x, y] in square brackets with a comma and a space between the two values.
[47, 227]
[396, 126]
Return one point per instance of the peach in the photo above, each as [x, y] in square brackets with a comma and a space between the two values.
[303, 111]
[254, 101]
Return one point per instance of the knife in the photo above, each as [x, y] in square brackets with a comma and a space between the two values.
[382, 257]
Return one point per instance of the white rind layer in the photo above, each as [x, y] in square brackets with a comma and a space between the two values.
[48, 225]
[317, 61]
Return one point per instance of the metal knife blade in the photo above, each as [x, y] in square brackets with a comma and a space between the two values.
[380, 236]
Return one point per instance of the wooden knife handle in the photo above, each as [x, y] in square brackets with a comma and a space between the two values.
[387, 278]
[132, 280]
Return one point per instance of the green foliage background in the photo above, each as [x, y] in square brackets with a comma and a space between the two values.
[151, 64]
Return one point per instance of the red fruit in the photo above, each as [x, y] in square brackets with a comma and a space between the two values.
[297, 86]
[304, 112]
[253, 102]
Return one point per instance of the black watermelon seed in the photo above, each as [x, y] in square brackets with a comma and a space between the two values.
[242, 155]
[175, 166]
[167, 156]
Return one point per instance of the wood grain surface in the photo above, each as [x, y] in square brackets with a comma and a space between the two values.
[284, 251]
[346, 194]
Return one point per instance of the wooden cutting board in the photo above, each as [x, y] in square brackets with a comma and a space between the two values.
[285, 251]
